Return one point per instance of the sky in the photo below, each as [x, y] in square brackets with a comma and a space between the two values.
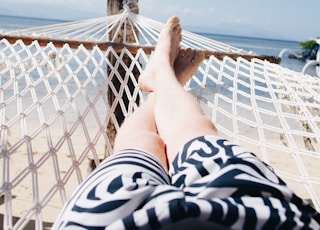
[295, 20]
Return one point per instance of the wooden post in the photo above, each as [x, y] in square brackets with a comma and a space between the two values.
[116, 7]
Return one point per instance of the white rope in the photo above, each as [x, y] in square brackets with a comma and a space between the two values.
[54, 111]
[97, 30]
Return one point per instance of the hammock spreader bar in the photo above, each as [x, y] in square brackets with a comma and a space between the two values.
[27, 40]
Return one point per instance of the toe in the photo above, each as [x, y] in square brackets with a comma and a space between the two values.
[198, 57]
[173, 21]
[189, 54]
[182, 52]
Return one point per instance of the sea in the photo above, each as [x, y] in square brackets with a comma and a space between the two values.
[261, 46]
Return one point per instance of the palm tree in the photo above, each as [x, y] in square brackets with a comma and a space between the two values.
[310, 49]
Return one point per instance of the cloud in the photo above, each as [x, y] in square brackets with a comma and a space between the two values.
[211, 10]
[225, 16]
[73, 3]
[187, 10]
[191, 13]
[59, 9]
[234, 19]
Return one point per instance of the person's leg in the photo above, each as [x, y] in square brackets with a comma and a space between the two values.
[178, 116]
[139, 131]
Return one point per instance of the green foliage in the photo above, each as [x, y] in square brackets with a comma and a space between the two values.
[308, 45]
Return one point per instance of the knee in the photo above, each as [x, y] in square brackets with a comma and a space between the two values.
[149, 142]
[144, 140]
[198, 126]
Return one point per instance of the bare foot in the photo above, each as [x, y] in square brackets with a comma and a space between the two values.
[164, 56]
[187, 63]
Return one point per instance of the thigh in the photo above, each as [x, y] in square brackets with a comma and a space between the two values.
[120, 185]
[207, 158]
[237, 187]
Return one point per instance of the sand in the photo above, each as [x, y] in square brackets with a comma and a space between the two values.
[36, 172]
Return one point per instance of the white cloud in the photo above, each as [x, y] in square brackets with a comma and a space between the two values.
[235, 20]
[58, 9]
[187, 10]
[211, 10]
[227, 15]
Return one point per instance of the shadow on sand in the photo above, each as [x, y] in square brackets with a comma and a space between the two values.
[30, 226]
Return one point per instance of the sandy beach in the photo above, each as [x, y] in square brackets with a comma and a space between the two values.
[54, 123]
[47, 162]
[37, 178]
[54, 111]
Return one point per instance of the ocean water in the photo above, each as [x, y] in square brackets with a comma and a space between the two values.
[9, 23]
[260, 46]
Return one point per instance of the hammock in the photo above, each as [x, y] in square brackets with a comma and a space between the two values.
[54, 108]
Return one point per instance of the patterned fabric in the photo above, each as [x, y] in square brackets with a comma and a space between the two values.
[211, 184]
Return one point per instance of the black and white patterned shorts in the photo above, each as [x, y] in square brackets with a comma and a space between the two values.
[212, 184]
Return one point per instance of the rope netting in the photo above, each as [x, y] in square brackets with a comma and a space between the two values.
[54, 112]
[127, 28]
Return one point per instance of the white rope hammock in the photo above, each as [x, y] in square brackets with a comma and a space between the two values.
[54, 111]
[145, 31]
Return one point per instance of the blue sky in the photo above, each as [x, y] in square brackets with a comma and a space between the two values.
[282, 19]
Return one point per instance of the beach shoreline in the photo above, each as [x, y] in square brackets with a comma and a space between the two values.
[23, 195]
[55, 124]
